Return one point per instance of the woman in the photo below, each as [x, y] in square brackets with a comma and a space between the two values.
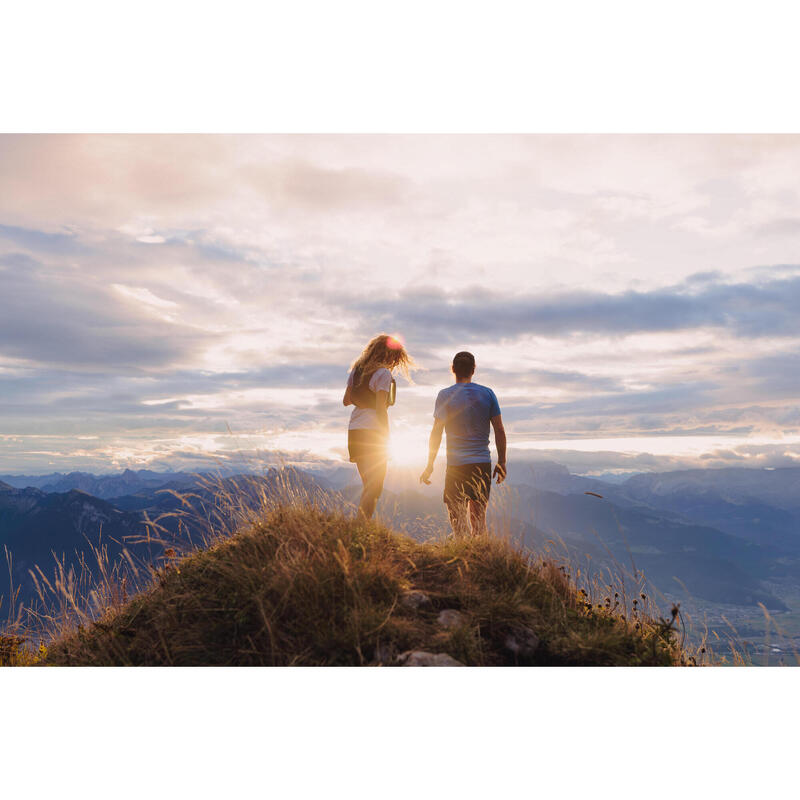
[370, 388]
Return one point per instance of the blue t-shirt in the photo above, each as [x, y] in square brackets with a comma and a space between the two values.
[465, 409]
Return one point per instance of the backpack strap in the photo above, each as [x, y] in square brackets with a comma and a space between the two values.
[363, 397]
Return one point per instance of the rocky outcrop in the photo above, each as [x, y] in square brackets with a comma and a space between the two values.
[415, 599]
[522, 642]
[419, 658]
[450, 618]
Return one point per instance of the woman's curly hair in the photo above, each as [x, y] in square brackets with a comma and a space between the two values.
[383, 351]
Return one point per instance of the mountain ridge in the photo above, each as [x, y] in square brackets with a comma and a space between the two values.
[714, 563]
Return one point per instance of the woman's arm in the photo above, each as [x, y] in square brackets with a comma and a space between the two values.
[382, 409]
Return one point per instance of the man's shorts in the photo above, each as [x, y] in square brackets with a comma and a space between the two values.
[367, 444]
[468, 482]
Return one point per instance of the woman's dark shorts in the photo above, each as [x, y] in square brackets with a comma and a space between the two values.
[366, 444]
[468, 482]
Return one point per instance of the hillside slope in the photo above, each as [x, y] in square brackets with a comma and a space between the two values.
[300, 586]
[41, 529]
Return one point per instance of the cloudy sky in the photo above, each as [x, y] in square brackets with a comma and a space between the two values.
[168, 301]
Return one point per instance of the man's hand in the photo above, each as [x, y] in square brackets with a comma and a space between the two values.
[500, 472]
[433, 448]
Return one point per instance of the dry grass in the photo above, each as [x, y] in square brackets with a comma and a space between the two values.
[278, 575]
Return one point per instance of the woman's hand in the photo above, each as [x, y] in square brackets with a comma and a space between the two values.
[426, 475]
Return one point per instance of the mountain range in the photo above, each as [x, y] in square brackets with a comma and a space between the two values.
[723, 536]
[102, 486]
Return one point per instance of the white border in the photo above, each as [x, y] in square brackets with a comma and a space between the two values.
[395, 733]
[416, 66]
[374, 67]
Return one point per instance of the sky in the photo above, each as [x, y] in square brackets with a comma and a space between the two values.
[174, 302]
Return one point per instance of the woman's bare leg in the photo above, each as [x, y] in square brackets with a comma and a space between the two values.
[373, 473]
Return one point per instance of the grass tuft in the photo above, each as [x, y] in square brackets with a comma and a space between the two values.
[297, 584]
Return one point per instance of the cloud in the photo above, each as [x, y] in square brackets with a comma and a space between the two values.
[686, 397]
[611, 461]
[775, 375]
[18, 260]
[780, 227]
[745, 309]
[95, 180]
[559, 379]
[41, 241]
[298, 183]
[50, 315]
[155, 288]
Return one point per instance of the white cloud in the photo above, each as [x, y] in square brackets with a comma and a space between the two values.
[143, 295]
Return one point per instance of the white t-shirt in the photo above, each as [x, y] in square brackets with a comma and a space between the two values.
[367, 418]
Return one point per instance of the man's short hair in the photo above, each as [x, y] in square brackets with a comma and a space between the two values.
[463, 364]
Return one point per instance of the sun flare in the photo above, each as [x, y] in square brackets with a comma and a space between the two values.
[409, 447]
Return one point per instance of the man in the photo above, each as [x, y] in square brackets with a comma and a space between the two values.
[464, 411]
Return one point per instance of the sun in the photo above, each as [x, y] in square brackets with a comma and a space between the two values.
[409, 447]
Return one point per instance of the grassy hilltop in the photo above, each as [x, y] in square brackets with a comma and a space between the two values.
[297, 585]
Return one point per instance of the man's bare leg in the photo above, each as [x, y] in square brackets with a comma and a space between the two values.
[457, 510]
[477, 517]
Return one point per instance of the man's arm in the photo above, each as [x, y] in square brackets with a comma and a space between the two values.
[433, 448]
[500, 443]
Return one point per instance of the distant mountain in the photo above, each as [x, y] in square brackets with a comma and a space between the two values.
[710, 563]
[103, 486]
[553, 477]
[204, 495]
[761, 506]
[36, 528]
[24, 481]
[779, 488]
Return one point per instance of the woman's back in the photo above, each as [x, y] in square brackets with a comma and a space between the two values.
[364, 415]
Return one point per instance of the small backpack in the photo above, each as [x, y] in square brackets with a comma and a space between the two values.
[364, 397]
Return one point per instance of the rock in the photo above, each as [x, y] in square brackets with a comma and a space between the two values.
[415, 599]
[450, 618]
[383, 654]
[419, 658]
[522, 642]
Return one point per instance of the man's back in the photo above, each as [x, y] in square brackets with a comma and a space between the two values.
[466, 410]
